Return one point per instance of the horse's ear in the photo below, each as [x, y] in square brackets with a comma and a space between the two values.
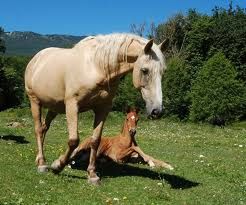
[148, 46]
[164, 45]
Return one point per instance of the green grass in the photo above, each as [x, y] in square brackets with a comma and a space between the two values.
[209, 164]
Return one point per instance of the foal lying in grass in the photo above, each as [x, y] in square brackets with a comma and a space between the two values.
[122, 148]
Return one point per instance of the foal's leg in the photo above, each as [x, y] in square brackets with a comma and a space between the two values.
[150, 160]
[100, 117]
[36, 114]
[72, 124]
[85, 145]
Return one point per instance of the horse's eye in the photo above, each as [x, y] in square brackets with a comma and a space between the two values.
[145, 71]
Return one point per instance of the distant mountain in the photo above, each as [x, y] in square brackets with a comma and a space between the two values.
[29, 43]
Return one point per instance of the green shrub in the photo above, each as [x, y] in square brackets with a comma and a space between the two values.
[217, 96]
[12, 81]
[127, 95]
[176, 86]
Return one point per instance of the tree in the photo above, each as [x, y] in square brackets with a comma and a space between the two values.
[198, 42]
[217, 96]
[176, 87]
[2, 77]
[138, 29]
[12, 81]
[175, 30]
[144, 29]
[2, 43]
[229, 36]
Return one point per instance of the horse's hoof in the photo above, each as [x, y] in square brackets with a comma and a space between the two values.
[43, 168]
[56, 166]
[94, 181]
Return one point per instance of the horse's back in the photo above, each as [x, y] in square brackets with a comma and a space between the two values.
[44, 76]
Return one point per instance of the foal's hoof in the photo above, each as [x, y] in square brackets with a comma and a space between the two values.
[94, 181]
[56, 166]
[168, 166]
[43, 168]
[151, 164]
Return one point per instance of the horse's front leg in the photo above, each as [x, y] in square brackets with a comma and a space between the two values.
[100, 117]
[73, 141]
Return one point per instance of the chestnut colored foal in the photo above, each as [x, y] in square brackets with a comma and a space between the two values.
[122, 148]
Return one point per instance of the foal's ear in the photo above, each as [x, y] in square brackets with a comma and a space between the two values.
[127, 109]
[148, 46]
[164, 45]
[137, 110]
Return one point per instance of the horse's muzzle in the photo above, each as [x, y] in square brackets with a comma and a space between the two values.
[155, 114]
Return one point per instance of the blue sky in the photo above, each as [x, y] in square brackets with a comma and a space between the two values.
[85, 17]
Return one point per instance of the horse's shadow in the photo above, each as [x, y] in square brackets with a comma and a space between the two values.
[15, 138]
[112, 169]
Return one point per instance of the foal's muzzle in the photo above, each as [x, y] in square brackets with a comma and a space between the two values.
[132, 132]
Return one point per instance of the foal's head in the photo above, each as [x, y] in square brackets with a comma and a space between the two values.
[132, 120]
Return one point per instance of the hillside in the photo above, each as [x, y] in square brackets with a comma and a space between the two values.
[29, 43]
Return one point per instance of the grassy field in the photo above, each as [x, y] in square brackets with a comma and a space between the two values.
[209, 164]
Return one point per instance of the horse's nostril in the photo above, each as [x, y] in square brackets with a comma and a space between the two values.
[155, 112]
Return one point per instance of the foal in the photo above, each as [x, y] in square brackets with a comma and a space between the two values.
[122, 148]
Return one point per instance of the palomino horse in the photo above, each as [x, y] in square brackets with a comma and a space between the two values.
[122, 148]
[85, 77]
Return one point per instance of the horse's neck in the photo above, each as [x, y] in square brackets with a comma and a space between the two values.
[128, 55]
[129, 51]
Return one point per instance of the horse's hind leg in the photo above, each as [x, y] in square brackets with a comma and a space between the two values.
[36, 114]
[45, 127]
[40, 131]
[50, 116]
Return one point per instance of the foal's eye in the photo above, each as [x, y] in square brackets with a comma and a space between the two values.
[145, 71]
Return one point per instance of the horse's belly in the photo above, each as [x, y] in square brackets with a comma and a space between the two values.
[48, 95]
[96, 99]
[58, 107]
[87, 103]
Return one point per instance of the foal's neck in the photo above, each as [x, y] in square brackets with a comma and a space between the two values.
[125, 135]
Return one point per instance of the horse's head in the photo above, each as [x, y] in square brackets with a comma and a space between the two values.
[132, 120]
[147, 74]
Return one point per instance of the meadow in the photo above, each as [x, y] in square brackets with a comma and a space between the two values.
[209, 164]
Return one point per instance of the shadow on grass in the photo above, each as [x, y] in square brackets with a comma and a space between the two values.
[72, 176]
[112, 169]
[16, 139]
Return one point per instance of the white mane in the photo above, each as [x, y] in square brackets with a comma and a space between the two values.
[108, 47]
[107, 51]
